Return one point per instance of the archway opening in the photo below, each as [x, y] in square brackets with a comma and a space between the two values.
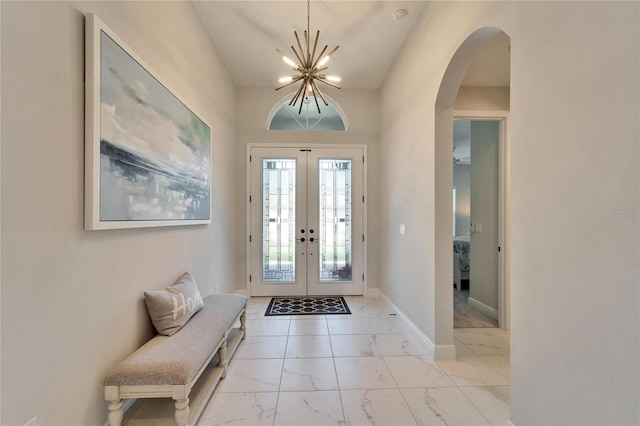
[445, 111]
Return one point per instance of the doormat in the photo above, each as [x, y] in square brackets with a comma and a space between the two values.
[306, 305]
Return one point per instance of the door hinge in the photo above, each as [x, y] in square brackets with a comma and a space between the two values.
[363, 238]
[363, 159]
[362, 277]
[249, 238]
[498, 248]
[249, 158]
[249, 277]
[363, 198]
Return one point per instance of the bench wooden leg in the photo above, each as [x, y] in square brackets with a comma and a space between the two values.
[243, 324]
[115, 412]
[224, 358]
[182, 411]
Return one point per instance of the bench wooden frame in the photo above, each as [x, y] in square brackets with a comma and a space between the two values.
[205, 381]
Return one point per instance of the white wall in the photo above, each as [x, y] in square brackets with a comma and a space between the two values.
[0, 226]
[361, 109]
[72, 300]
[472, 98]
[574, 198]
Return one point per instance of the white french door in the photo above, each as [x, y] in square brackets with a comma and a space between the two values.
[306, 221]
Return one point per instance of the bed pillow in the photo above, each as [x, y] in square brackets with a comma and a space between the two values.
[172, 307]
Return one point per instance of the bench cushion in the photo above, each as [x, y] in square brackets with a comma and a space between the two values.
[175, 360]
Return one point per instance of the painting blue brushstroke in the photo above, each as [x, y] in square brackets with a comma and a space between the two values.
[154, 151]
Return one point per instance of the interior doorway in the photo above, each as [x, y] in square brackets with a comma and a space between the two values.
[306, 221]
[453, 95]
[478, 221]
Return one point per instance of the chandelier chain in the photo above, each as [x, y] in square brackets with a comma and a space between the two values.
[308, 16]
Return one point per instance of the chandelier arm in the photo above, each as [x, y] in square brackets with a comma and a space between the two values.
[295, 97]
[302, 55]
[333, 51]
[315, 98]
[297, 56]
[327, 82]
[308, 54]
[315, 64]
[313, 84]
[315, 44]
[304, 88]
[295, 80]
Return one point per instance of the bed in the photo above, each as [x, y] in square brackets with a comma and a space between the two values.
[461, 252]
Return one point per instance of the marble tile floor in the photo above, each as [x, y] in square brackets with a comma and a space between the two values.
[361, 369]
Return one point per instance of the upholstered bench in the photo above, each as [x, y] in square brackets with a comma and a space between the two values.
[170, 366]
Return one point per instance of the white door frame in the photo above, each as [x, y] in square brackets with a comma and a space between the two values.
[365, 161]
[504, 281]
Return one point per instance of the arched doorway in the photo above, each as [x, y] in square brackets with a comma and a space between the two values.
[444, 115]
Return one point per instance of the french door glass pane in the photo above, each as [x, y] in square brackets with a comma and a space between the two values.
[335, 237]
[278, 219]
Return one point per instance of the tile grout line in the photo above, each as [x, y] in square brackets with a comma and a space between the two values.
[391, 331]
[335, 372]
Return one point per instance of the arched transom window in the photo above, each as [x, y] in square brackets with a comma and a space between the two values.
[286, 117]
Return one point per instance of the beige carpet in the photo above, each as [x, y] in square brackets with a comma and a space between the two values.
[465, 317]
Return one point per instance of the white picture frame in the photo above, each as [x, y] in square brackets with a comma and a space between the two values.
[147, 153]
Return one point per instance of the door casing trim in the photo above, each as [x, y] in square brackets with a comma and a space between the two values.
[504, 219]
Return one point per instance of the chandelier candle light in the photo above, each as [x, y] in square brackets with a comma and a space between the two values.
[309, 68]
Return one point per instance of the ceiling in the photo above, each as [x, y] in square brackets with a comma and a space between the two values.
[247, 33]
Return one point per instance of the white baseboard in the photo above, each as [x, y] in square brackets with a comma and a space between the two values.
[481, 307]
[242, 291]
[444, 352]
[438, 352]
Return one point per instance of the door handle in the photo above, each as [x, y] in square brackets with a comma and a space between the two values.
[302, 240]
[312, 239]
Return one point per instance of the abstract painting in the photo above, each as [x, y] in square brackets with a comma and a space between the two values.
[148, 154]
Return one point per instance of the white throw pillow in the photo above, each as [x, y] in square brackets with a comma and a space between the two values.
[172, 307]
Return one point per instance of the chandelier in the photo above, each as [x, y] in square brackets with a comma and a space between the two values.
[309, 68]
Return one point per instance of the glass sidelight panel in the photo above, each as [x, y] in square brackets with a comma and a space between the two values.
[278, 220]
[335, 211]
